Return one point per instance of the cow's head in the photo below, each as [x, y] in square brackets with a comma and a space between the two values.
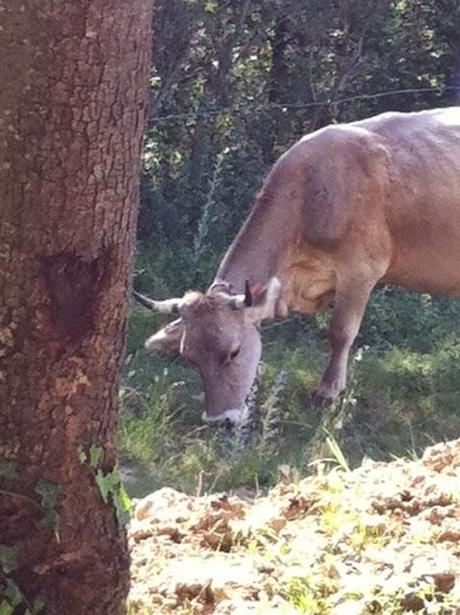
[218, 332]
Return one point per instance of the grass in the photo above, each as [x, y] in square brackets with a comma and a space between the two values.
[310, 594]
[403, 395]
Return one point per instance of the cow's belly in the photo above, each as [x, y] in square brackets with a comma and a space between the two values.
[432, 266]
[423, 213]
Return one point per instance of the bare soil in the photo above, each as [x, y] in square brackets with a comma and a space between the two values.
[384, 538]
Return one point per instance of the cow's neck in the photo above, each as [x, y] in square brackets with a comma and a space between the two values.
[257, 251]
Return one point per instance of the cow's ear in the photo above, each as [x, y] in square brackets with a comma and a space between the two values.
[167, 339]
[264, 302]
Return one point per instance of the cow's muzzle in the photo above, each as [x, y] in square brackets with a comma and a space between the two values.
[236, 417]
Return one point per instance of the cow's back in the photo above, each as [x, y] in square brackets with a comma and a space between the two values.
[423, 209]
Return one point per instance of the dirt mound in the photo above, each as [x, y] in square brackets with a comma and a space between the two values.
[383, 539]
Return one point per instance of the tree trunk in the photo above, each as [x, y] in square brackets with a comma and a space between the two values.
[72, 107]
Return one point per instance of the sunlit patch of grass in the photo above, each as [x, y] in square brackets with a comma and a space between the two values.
[309, 594]
[421, 596]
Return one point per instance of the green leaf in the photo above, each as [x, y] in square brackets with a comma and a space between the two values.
[12, 593]
[38, 605]
[210, 6]
[337, 452]
[7, 469]
[110, 485]
[95, 456]
[49, 495]
[123, 504]
[48, 492]
[125, 500]
[6, 608]
[107, 483]
[8, 558]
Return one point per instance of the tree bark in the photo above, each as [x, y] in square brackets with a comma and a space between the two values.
[72, 111]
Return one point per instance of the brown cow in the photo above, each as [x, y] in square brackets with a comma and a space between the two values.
[345, 208]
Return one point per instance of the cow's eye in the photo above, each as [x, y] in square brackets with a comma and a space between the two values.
[234, 353]
[229, 356]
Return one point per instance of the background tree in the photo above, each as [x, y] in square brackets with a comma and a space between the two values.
[72, 109]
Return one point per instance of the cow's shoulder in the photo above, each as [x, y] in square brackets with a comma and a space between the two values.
[334, 176]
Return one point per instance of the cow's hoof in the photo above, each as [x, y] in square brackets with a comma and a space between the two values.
[322, 399]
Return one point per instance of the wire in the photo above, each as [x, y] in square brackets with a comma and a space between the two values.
[285, 106]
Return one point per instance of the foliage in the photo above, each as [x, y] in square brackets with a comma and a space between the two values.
[12, 598]
[110, 486]
[49, 494]
[109, 483]
[7, 469]
[8, 558]
[11, 595]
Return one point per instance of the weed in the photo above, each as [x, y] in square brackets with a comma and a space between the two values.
[304, 595]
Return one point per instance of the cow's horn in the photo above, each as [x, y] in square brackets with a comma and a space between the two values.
[244, 300]
[248, 300]
[170, 306]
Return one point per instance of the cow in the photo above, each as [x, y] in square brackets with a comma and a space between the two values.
[345, 208]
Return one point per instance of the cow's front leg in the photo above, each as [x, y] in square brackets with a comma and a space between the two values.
[350, 303]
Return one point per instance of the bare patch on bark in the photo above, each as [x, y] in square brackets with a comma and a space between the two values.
[74, 285]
